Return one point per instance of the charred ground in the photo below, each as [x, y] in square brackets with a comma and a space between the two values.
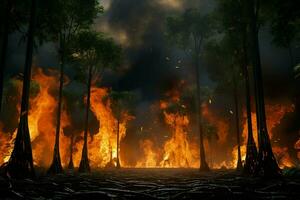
[152, 184]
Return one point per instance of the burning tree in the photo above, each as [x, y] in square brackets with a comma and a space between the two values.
[236, 30]
[189, 32]
[63, 26]
[267, 164]
[176, 149]
[224, 56]
[20, 163]
[94, 53]
[121, 103]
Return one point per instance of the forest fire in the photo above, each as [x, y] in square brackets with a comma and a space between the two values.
[178, 150]
[41, 122]
[275, 113]
[102, 146]
[151, 99]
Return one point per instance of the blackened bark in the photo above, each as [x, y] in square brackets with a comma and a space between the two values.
[71, 164]
[20, 164]
[239, 166]
[251, 151]
[118, 144]
[267, 164]
[203, 163]
[56, 166]
[84, 165]
[7, 7]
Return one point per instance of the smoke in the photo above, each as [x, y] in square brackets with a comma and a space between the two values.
[153, 66]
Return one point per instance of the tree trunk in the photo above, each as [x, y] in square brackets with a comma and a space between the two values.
[84, 163]
[7, 7]
[20, 164]
[203, 163]
[71, 164]
[267, 164]
[56, 166]
[239, 166]
[118, 144]
[251, 151]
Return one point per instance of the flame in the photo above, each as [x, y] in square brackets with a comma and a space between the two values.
[179, 150]
[102, 147]
[41, 122]
[150, 156]
[274, 113]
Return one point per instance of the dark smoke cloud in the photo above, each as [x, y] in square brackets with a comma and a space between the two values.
[138, 25]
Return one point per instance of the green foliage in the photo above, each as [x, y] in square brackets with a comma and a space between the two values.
[285, 22]
[18, 13]
[93, 49]
[224, 60]
[121, 101]
[71, 16]
[189, 29]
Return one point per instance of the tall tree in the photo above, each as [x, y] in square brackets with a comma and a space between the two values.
[267, 164]
[63, 26]
[232, 17]
[14, 14]
[189, 31]
[5, 10]
[285, 25]
[121, 103]
[96, 52]
[223, 58]
[20, 163]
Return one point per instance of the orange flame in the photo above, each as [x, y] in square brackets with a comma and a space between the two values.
[41, 122]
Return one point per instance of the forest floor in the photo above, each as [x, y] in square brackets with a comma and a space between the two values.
[142, 184]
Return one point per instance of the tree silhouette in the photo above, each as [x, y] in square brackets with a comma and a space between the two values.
[189, 31]
[63, 26]
[94, 53]
[267, 164]
[20, 164]
[233, 23]
[121, 104]
[223, 56]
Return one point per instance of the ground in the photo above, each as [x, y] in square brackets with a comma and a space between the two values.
[144, 184]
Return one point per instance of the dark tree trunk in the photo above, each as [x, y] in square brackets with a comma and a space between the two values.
[84, 165]
[71, 164]
[56, 166]
[251, 151]
[7, 7]
[118, 144]
[20, 164]
[203, 163]
[239, 166]
[267, 164]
